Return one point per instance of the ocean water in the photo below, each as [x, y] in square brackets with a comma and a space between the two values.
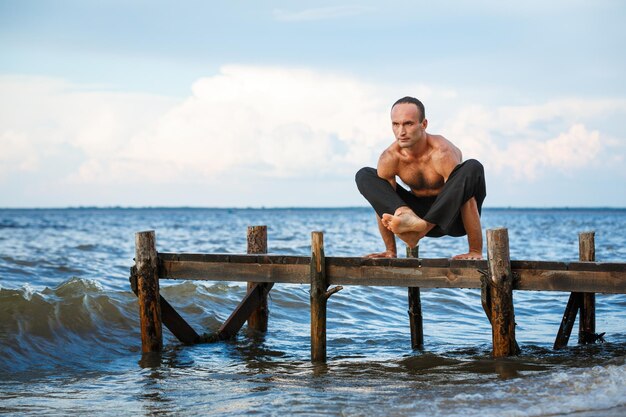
[70, 343]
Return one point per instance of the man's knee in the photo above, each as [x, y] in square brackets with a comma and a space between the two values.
[363, 175]
[474, 167]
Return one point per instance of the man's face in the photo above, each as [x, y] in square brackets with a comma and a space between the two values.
[406, 125]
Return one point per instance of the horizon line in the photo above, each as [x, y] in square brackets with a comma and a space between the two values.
[160, 207]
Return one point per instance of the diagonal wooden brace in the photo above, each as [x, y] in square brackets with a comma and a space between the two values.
[170, 317]
[569, 317]
[246, 307]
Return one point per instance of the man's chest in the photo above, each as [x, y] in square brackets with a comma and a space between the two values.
[423, 180]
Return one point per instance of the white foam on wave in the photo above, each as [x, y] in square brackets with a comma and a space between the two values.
[598, 389]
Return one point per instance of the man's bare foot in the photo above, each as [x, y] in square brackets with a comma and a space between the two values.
[385, 254]
[469, 255]
[410, 238]
[404, 222]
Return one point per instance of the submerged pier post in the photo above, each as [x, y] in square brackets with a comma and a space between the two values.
[501, 293]
[319, 297]
[257, 244]
[319, 284]
[587, 318]
[415, 308]
[148, 292]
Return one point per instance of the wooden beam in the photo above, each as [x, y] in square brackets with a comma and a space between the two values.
[400, 272]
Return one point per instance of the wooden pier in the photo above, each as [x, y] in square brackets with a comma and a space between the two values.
[497, 277]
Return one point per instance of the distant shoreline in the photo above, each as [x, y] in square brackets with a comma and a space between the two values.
[262, 208]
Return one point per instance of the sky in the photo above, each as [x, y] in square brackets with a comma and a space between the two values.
[278, 104]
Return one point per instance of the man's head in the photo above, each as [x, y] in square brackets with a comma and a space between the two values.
[408, 122]
[416, 102]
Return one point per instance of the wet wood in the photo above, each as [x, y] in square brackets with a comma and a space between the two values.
[148, 292]
[569, 318]
[240, 314]
[501, 293]
[415, 308]
[169, 317]
[319, 286]
[587, 318]
[257, 244]
[425, 273]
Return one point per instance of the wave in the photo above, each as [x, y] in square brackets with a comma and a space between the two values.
[79, 324]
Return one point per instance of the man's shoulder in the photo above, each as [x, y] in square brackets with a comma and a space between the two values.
[442, 146]
[445, 156]
[388, 161]
[391, 153]
[438, 141]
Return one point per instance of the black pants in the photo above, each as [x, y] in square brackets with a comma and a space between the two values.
[467, 180]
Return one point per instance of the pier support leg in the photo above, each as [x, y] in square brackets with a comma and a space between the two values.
[319, 298]
[415, 308]
[148, 292]
[257, 244]
[501, 293]
[578, 301]
[587, 318]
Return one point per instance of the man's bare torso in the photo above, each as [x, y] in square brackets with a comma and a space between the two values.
[426, 172]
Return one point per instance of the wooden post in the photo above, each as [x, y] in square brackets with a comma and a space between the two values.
[257, 244]
[587, 318]
[169, 317]
[148, 292]
[415, 308]
[501, 291]
[318, 299]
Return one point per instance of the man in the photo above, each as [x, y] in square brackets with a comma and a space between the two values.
[445, 196]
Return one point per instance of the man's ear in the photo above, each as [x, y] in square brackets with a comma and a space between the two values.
[425, 123]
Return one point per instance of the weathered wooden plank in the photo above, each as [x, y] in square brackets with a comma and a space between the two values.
[392, 262]
[571, 281]
[403, 277]
[533, 276]
[215, 271]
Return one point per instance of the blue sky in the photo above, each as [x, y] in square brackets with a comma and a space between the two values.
[279, 103]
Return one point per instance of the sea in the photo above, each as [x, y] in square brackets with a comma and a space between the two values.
[70, 341]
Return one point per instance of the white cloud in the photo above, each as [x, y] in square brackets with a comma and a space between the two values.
[320, 13]
[17, 155]
[277, 122]
[270, 124]
[527, 142]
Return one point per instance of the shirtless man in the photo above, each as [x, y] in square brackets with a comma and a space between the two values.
[445, 196]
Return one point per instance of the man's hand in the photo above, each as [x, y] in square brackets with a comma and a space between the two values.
[385, 254]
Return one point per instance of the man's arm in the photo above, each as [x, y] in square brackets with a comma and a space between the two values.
[390, 242]
[386, 169]
[445, 160]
